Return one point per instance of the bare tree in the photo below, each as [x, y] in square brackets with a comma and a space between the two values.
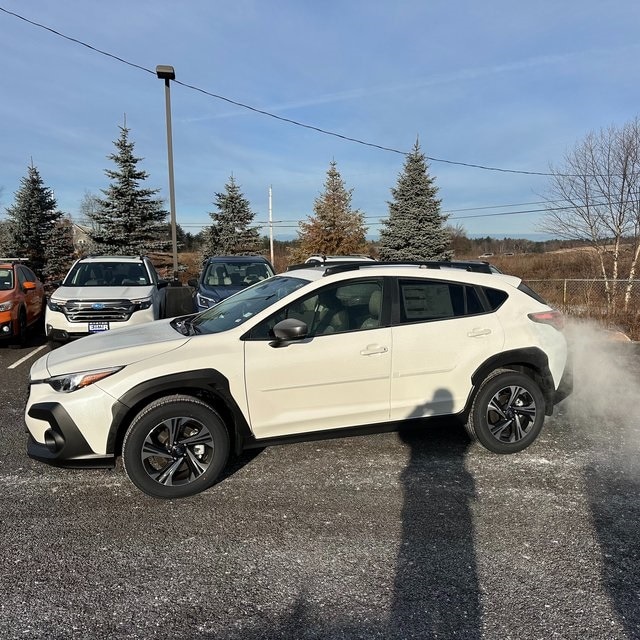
[599, 185]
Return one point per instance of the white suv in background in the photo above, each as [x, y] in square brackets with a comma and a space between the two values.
[104, 292]
[317, 351]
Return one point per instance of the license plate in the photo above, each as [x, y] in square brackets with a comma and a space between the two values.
[96, 327]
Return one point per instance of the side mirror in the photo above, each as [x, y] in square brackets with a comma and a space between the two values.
[29, 286]
[162, 284]
[192, 282]
[288, 331]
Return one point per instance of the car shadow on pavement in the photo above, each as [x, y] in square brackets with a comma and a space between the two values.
[236, 463]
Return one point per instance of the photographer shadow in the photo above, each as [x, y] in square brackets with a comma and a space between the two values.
[436, 590]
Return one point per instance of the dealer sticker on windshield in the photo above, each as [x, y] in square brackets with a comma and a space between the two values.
[96, 327]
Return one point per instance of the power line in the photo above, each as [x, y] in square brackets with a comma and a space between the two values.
[277, 117]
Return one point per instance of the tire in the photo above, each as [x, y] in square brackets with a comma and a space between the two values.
[175, 447]
[507, 413]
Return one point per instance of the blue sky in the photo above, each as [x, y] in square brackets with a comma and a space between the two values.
[504, 84]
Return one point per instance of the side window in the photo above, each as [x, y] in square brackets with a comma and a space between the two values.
[424, 300]
[29, 275]
[151, 270]
[474, 305]
[352, 306]
[495, 297]
[22, 278]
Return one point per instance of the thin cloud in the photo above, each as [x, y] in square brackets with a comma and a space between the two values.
[462, 75]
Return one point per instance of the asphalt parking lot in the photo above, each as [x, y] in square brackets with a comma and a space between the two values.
[414, 535]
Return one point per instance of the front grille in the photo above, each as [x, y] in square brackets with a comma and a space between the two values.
[98, 310]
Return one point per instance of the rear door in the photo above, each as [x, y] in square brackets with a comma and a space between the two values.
[441, 334]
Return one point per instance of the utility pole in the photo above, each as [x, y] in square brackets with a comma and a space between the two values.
[270, 223]
[167, 73]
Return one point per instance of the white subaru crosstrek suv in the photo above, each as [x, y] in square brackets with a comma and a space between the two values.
[102, 293]
[317, 351]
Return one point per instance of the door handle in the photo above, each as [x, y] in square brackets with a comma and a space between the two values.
[373, 349]
[477, 332]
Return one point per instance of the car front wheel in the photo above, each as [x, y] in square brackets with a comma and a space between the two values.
[507, 413]
[175, 447]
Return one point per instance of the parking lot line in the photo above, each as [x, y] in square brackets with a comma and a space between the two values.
[29, 355]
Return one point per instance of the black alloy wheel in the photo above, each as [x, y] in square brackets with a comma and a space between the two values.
[508, 412]
[175, 447]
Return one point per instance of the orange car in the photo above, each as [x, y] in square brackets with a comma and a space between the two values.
[22, 299]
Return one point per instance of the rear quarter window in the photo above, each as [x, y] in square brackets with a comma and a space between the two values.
[495, 297]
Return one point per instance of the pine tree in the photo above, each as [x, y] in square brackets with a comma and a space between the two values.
[415, 228]
[32, 224]
[231, 232]
[59, 251]
[5, 238]
[128, 220]
[334, 229]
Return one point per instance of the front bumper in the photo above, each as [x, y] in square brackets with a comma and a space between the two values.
[6, 324]
[58, 328]
[64, 445]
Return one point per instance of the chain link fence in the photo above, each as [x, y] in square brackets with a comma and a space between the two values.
[589, 297]
[612, 304]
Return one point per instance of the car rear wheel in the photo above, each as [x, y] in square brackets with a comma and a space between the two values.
[175, 447]
[507, 413]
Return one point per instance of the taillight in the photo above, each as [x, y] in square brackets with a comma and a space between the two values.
[552, 317]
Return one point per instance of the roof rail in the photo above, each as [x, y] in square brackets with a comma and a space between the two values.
[478, 267]
[12, 260]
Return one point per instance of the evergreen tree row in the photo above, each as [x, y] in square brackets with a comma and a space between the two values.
[129, 219]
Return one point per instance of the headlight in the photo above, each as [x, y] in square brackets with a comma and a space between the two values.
[142, 303]
[74, 381]
[203, 301]
[6, 306]
[55, 305]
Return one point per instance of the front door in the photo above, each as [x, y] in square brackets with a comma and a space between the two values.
[336, 377]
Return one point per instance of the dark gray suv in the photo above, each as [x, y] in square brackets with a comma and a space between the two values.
[223, 276]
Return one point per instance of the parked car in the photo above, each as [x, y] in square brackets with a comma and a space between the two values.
[102, 293]
[317, 352]
[22, 299]
[223, 276]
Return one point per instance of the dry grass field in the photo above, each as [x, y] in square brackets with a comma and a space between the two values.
[571, 280]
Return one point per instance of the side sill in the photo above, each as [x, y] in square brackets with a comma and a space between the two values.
[349, 432]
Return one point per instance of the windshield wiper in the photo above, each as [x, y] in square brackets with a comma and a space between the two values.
[182, 326]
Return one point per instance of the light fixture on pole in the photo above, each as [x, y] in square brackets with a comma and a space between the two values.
[167, 73]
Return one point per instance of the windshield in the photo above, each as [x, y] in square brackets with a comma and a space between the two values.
[240, 273]
[237, 309]
[6, 279]
[107, 274]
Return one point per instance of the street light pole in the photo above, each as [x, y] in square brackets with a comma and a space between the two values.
[167, 73]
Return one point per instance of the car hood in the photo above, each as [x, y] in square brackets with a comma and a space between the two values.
[102, 293]
[222, 292]
[6, 295]
[111, 348]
